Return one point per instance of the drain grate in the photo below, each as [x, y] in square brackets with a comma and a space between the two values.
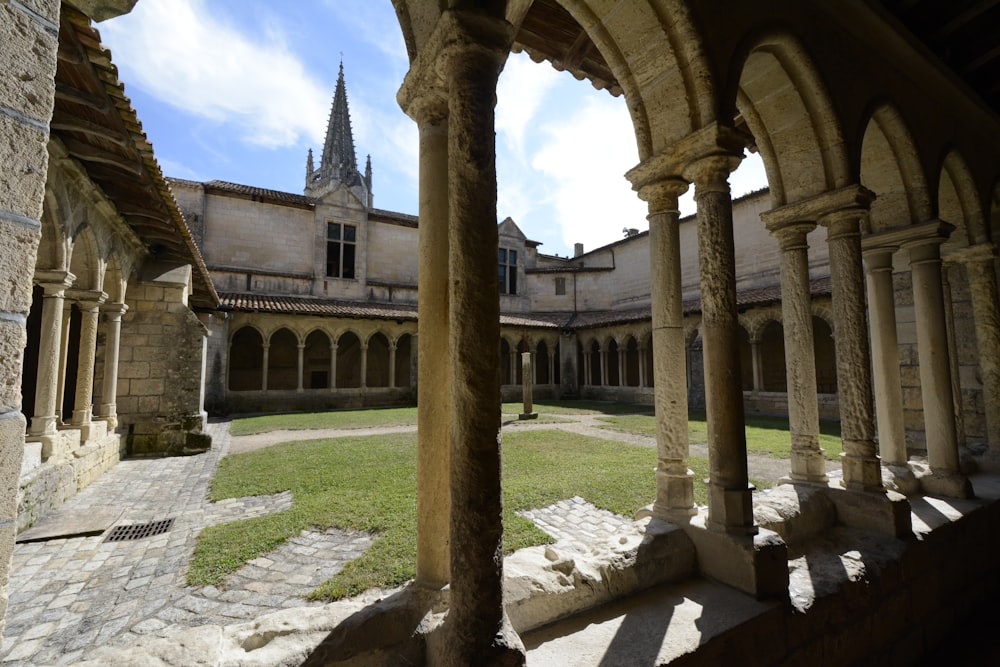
[139, 531]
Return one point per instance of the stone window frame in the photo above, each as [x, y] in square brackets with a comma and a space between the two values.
[344, 249]
[560, 284]
[507, 270]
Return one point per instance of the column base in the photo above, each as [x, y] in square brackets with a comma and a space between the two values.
[674, 498]
[755, 564]
[808, 465]
[943, 483]
[732, 504]
[861, 473]
[899, 478]
[885, 512]
[528, 415]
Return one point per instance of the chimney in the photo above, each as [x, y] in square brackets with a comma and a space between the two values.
[632, 231]
[577, 249]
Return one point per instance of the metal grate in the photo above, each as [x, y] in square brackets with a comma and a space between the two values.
[139, 531]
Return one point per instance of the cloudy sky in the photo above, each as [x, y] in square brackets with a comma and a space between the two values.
[239, 90]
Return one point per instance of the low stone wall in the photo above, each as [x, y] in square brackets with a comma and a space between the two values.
[776, 403]
[274, 400]
[44, 486]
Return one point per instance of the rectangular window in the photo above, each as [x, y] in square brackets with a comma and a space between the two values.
[341, 243]
[560, 286]
[507, 272]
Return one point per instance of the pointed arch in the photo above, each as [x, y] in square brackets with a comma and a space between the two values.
[316, 360]
[348, 360]
[959, 202]
[246, 359]
[377, 360]
[283, 359]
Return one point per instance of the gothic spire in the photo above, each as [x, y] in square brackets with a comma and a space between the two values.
[339, 159]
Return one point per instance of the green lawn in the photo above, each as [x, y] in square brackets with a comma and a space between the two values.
[369, 483]
[294, 421]
[767, 436]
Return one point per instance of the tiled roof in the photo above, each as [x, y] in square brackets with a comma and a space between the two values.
[260, 193]
[544, 320]
[404, 219]
[298, 305]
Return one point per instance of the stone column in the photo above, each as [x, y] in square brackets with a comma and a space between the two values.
[333, 366]
[476, 48]
[935, 373]
[434, 360]
[83, 409]
[979, 261]
[729, 493]
[552, 364]
[642, 366]
[63, 357]
[527, 371]
[364, 365]
[854, 384]
[621, 367]
[301, 363]
[755, 365]
[392, 364]
[674, 481]
[108, 409]
[807, 462]
[263, 376]
[46, 417]
[953, 363]
[603, 362]
[586, 367]
[885, 359]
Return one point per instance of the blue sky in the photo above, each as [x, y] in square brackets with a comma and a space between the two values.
[239, 90]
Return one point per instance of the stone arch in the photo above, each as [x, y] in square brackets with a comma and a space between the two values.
[825, 313]
[959, 202]
[890, 167]
[85, 260]
[246, 359]
[316, 358]
[784, 102]
[283, 359]
[377, 360]
[54, 245]
[348, 360]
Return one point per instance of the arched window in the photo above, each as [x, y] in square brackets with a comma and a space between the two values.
[246, 360]
[377, 363]
[283, 360]
[316, 361]
[348, 361]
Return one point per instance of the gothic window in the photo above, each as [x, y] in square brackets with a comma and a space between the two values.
[341, 242]
[508, 271]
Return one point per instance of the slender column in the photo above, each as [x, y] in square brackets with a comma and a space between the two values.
[755, 365]
[552, 364]
[301, 363]
[113, 316]
[621, 367]
[433, 358]
[956, 382]
[932, 351]
[674, 481]
[83, 408]
[603, 361]
[854, 383]
[513, 366]
[586, 367]
[807, 462]
[333, 366]
[263, 375]
[46, 416]
[642, 366]
[729, 493]
[471, 67]
[63, 356]
[392, 364]
[980, 268]
[364, 365]
[885, 356]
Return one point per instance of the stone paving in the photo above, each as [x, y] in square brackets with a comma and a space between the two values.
[576, 524]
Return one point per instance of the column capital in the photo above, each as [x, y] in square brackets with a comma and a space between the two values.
[910, 236]
[878, 257]
[54, 282]
[711, 140]
[662, 194]
[792, 235]
[711, 172]
[114, 310]
[89, 300]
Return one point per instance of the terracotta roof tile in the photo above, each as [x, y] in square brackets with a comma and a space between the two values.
[298, 305]
[262, 193]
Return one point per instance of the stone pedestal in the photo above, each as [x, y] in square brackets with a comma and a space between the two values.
[755, 564]
[526, 380]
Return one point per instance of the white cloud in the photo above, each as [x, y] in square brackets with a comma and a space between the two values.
[586, 155]
[521, 90]
[186, 56]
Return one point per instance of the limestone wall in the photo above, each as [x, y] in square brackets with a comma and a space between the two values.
[392, 253]
[160, 372]
[243, 233]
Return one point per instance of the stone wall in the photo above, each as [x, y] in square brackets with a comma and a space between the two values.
[161, 366]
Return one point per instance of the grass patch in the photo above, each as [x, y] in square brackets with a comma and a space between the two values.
[580, 408]
[369, 483]
[345, 419]
[767, 436]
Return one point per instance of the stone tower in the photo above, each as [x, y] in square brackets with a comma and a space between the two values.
[338, 165]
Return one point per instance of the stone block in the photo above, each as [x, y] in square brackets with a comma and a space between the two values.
[29, 63]
[18, 250]
[12, 341]
[755, 564]
[886, 513]
[150, 387]
[133, 370]
[11, 452]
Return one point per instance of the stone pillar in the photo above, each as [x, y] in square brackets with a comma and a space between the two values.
[755, 365]
[854, 384]
[364, 365]
[603, 361]
[729, 492]
[109, 392]
[979, 261]
[263, 375]
[83, 408]
[807, 462]
[586, 367]
[392, 364]
[935, 373]
[474, 53]
[63, 357]
[333, 366]
[433, 358]
[46, 418]
[953, 363]
[301, 362]
[885, 362]
[674, 481]
[642, 366]
[527, 371]
[552, 364]
[621, 367]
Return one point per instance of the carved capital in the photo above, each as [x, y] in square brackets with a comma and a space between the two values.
[662, 195]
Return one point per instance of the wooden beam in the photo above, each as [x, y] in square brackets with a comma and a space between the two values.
[70, 94]
[89, 153]
[67, 123]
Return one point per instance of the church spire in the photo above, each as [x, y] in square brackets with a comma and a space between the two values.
[339, 159]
